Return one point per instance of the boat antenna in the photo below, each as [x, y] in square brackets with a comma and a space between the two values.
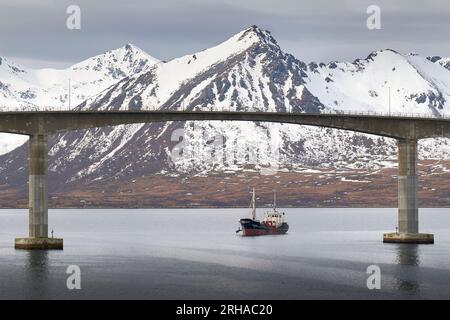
[253, 205]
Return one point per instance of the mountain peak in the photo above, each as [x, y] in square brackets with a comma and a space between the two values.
[256, 34]
[127, 59]
[132, 51]
[236, 44]
[385, 52]
[130, 46]
[185, 67]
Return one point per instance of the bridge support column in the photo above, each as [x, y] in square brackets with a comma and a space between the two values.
[408, 211]
[38, 198]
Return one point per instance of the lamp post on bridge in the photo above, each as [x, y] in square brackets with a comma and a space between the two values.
[70, 93]
[389, 101]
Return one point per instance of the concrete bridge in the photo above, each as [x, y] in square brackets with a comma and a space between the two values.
[40, 124]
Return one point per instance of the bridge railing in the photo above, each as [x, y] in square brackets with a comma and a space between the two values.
[287, 110]
[392, 114]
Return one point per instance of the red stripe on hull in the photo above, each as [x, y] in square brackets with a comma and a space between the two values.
[261, 232]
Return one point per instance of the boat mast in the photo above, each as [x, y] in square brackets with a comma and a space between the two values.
[253, 205]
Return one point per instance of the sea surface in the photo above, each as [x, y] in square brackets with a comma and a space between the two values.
[196, 254]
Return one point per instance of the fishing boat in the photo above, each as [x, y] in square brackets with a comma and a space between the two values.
[272, 223]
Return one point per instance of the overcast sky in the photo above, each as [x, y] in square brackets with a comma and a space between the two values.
[34, 32]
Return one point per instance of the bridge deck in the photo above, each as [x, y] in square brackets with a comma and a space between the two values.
[400, 126]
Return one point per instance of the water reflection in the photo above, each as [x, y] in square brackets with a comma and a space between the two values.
[408, 254]
[37, 265]
[408, 258]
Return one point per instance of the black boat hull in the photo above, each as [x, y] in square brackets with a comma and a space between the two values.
[252, 228]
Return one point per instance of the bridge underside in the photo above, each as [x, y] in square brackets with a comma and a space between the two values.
[408, 220]
[38, 125]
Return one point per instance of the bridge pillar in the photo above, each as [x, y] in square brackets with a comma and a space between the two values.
[408, 211]
[38, 198]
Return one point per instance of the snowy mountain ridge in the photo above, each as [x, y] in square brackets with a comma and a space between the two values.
[163, 84]
[415, 84]
[249, 71]
[34, 88]
[30, 89]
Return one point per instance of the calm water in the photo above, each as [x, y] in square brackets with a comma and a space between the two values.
[190, 254]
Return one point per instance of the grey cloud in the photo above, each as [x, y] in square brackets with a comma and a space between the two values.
[320, 30]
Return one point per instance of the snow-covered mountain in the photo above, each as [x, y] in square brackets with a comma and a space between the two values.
[249, 71]
[416, 84]
[24, 88]
[30, 89]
